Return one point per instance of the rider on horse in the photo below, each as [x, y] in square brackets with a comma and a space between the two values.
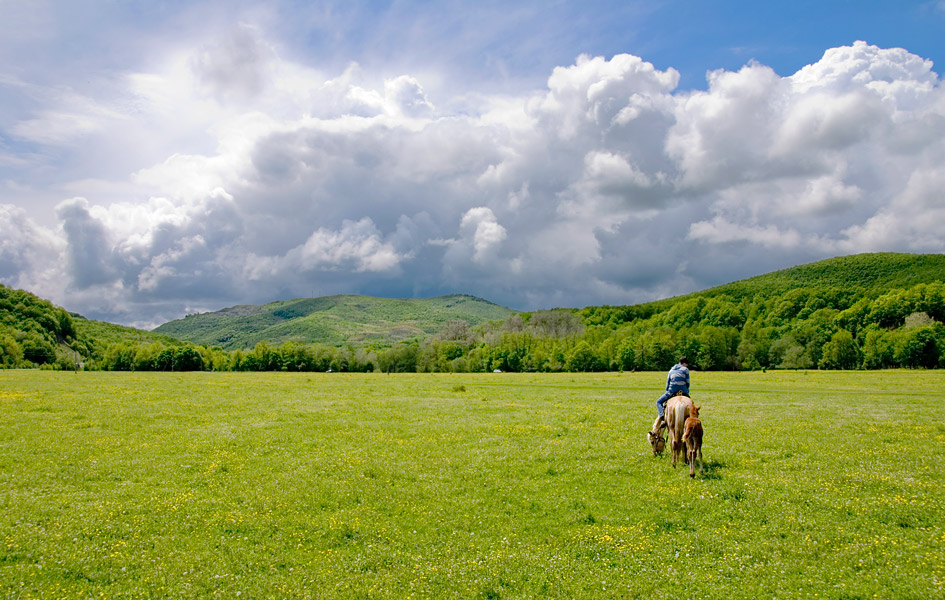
[677, 380]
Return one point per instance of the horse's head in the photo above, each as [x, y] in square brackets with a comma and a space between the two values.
[695, 410]
[657, 442]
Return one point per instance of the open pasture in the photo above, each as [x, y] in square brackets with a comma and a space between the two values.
[127, 485]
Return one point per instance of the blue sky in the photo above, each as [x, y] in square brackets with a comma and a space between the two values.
[696, 37]
[161, 158]
[487, 41]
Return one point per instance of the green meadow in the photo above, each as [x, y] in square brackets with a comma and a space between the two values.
[279, 485]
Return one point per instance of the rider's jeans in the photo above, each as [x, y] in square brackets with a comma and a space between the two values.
[661, 403]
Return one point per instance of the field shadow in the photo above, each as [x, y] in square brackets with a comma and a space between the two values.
[713, 469]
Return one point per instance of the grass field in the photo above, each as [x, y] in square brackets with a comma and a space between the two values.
[126, 485]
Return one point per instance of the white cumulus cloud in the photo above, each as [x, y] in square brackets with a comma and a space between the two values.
[257, 178]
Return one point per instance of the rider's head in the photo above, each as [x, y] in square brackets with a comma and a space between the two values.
[684, 361]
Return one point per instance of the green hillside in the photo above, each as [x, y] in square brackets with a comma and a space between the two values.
[100, 334]
[859, 275]
[861, 272]
[332, 320]
[33, 331]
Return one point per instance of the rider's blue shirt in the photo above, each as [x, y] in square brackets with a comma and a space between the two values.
[678, 379]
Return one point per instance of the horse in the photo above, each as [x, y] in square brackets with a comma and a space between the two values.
[693, 439]
[678, 409]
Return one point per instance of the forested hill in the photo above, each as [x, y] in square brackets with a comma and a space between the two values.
[332, 320]
[867, 311]
[864, 272]
[863, 275]
[33, 331]
[863, 311]
[36, 333]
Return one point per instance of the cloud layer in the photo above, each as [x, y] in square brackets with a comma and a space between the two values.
[608, 186]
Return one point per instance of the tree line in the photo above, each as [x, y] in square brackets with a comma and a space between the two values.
[803, 328]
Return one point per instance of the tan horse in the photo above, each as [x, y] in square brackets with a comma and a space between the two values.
[678, 409]
[693, 439]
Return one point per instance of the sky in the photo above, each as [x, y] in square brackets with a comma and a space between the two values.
[161, 158]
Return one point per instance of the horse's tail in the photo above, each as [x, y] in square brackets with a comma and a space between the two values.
[680, 417]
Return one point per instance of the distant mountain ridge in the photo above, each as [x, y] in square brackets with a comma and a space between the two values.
[366, 320]
[332, 320]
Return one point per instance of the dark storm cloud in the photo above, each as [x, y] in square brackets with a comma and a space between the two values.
[89, 255]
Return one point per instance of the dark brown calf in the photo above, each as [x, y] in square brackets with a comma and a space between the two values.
[693, 439]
